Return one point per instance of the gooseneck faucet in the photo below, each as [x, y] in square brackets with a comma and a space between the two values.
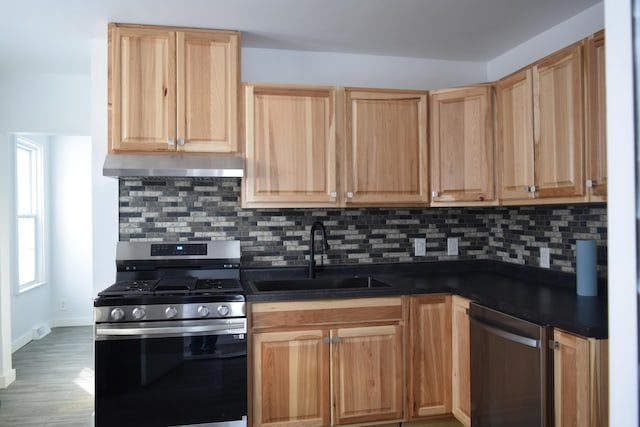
[312, 244]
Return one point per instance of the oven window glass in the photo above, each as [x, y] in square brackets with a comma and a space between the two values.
[171, 381]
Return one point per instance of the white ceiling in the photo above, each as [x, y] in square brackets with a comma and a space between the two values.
[54, 35]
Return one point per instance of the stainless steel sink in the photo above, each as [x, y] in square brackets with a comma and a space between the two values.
[355, 282]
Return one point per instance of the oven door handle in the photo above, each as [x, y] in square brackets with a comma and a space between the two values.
[510, 336]
[167, 331]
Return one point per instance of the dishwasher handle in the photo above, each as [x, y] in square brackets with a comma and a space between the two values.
[529, 342]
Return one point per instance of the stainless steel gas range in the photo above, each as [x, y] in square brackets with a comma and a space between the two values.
[170, 337]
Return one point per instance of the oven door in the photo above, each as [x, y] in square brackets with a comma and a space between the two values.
[176, 373]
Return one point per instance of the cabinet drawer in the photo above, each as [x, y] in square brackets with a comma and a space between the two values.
[324, 312]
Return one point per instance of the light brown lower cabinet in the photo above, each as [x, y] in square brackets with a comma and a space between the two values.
[330, 362]
[348, 361]
[429, 356]
[581, 380]
[460, 360]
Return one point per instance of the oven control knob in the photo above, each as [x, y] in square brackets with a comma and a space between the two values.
[171, 312]
[203, 311]
[223, 310]
[117, 313]
[138, 313]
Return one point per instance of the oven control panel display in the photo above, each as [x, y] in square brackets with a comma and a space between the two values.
[180, 249]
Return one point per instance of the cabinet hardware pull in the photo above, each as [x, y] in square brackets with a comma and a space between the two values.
[591, 183]
[171, 141]
[326, 340]
[333, 194]
[349, 195]
[435, 194]
[335, 340]
[181, 142]
[534, 188]
[165, 91]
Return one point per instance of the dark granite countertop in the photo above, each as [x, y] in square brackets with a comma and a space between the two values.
[537, 295]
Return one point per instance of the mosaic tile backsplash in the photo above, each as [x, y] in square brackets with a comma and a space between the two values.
[209, 209]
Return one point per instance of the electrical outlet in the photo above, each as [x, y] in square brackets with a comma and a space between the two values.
[63, 304]
[452, 246]
[545, 258]
[420, 246]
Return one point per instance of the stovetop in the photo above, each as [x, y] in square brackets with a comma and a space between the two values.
[172, 285]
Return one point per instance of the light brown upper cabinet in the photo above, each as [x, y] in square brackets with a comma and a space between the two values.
[462, 146]
[596, 116]
[290, 135]
[385, 161]
[173, 89]
[540, 130]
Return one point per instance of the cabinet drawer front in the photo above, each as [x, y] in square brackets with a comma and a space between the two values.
[325, 312]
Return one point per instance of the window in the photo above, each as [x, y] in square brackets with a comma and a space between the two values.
[29, 204]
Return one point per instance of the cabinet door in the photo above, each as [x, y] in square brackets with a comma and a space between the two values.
[207, 76]
[461, 367]
[142, 107]
[571, 380]
[581, 386]
[515, 136]
[596, 117]
[558, 124]
[386, 148]
[291, 147]
[367, 374]
[462, 145]
[291, 378]
[429, 356]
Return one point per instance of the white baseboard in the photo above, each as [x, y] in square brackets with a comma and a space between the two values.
[7, 378]
[21, 341]
[73, 321]
[26, 338]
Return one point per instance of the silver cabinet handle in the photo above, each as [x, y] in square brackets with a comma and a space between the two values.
[326, 340]
[181, 141]
[335, 339]
[333, 194]
[349, 195]
[171, 141]
[591, 183]
[510, 336]
[435, 194]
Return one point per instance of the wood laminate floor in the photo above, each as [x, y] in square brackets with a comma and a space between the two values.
[54, 382]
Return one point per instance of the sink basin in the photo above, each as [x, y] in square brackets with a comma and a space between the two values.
[356, 282]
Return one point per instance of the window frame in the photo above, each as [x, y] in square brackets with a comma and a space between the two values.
[37, 212]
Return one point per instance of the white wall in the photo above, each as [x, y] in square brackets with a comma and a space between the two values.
[327, 68]
[339, 69]
[564, 34]
[104, 190]
[33, 103]
[71, 275]
[623, 296]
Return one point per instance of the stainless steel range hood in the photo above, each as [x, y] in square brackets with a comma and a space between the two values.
[131, 165]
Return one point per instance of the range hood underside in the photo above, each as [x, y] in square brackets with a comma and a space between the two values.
[132, 165]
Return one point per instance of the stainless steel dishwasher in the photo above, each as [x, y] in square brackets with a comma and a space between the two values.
[511, 371]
